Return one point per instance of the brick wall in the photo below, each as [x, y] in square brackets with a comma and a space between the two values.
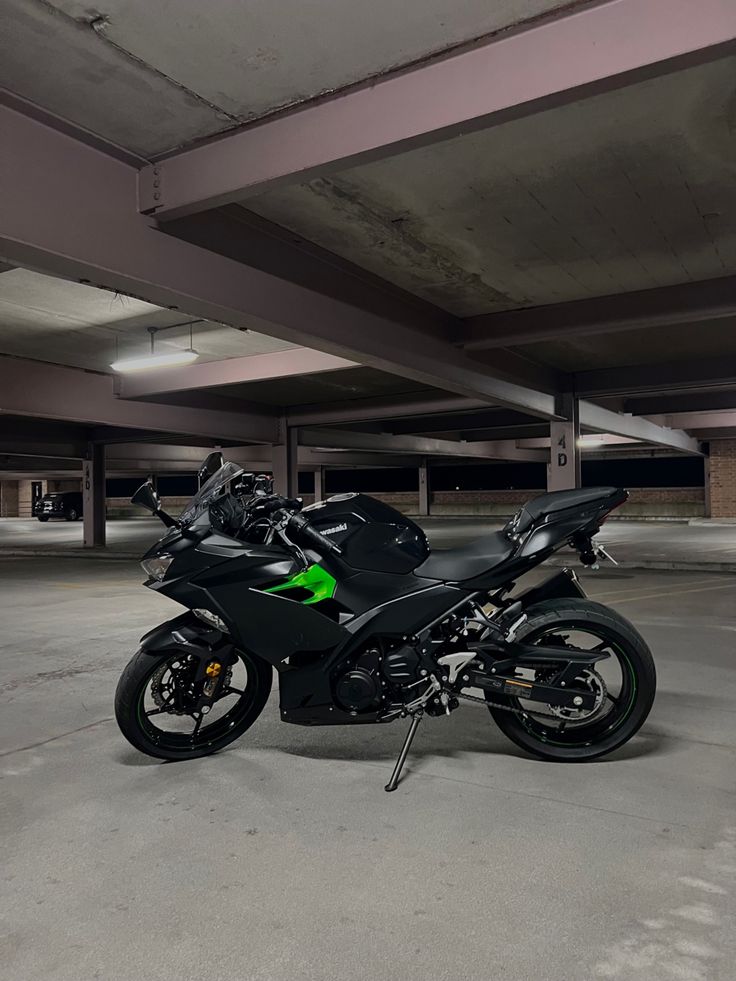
[723, 478]
[120, 507]
[661, 502]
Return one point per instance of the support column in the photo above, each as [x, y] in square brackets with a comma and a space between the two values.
[93, 496]
[424, 487]
[708, 506]
[563, 470]
[284, 463]
[319, 484]
[9, 499]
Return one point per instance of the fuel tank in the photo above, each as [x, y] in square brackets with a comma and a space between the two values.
[373, 536]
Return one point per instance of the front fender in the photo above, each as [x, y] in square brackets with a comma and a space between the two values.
[203, 639]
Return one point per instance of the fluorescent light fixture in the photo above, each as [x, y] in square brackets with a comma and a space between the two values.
[588, 443]
[149, 361]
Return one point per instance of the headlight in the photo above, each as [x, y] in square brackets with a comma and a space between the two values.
[212, 619]
[157, 566]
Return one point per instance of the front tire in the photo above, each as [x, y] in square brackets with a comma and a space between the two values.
[133, 712]
[42, 518]
[615, 723]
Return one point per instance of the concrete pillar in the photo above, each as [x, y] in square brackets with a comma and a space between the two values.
[319, 484]
[706, 484]
[424, 487]
[93, 496]
[9, 499]
[284, 464]
[563, 470]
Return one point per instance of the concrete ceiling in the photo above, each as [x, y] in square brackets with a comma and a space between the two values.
[624, 191]
[629, 190]
[154, 76]
[352, 383]
[49, 319]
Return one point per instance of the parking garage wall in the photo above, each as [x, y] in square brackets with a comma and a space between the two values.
[644, 502]
[722, 481]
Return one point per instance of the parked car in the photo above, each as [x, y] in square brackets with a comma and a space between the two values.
[65, 504]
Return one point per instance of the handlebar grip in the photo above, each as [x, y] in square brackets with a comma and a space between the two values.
[301, 527]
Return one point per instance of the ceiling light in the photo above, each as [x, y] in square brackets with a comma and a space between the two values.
[149, 361]
[586, 443]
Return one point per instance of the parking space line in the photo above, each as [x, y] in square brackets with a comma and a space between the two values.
[609, 596]
[667, 593]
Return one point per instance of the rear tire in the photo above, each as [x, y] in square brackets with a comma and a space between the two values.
[588, 741]
[71, 515]
[131, 716]
[42, 519]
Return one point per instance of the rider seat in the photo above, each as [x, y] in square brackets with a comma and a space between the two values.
[467, 561]
[485, 553]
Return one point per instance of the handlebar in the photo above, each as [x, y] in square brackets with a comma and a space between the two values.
[300, 527]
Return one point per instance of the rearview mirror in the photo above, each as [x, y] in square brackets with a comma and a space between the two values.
[210, 465]
[146, 497]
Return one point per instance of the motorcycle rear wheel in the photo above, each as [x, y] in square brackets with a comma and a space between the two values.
[625, 706]
[136, 708]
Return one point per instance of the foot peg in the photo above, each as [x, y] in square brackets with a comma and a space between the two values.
[394, 781]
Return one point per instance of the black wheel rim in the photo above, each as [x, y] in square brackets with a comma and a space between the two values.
[620, 698]
[187, 732]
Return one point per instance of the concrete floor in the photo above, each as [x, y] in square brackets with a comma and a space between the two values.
[282, 858]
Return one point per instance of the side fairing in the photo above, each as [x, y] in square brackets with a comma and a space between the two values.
[228, 579]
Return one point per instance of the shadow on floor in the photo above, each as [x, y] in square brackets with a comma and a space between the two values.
[446, 738]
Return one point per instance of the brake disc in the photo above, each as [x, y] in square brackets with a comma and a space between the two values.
[163, 689]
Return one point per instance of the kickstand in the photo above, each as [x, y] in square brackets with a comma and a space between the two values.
[394, 781]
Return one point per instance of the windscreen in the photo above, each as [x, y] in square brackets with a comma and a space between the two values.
[209, 491]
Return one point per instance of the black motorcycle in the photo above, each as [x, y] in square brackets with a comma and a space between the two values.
[364, 624]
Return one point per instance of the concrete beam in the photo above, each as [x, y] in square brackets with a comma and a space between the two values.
[144, 457]
[594, 418]
[458, 422]
[32, 388]
[693, 402]
[47, 451]
[676, 377]
[48, 176]
[688, 303]
[697, 420]
[374, 409]
[13, 463]
[231, 371]
[514, 74]
[249, 238]
[425, 446]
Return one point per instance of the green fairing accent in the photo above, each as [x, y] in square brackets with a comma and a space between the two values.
[316, 579]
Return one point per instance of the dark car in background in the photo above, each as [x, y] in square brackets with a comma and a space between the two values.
[64, 504]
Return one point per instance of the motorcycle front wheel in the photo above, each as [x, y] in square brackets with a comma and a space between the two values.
[151, 704]
[624, 684]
